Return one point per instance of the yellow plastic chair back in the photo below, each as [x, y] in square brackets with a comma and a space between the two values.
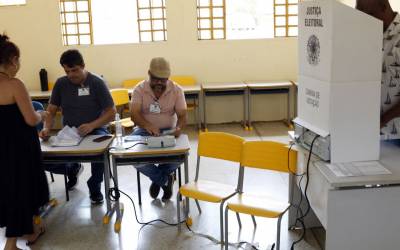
[269, 155]
[120, 96]
[183, 80]
[131, 83]
[50, 85]
[220, 145]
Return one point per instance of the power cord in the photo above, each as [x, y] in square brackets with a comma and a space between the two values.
[138, 143]
[303, 215]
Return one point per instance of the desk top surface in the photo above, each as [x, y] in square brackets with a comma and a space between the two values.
[38, 94]
[389, 158]
[268, 84]
[182, 146]
[224, 86]
[86, 148]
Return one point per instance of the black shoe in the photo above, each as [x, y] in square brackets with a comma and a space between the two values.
[73, 177]
[97, 198]
[168, 188]
[154, 190]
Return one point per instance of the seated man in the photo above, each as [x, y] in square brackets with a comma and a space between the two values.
[158, 104]
[86, 104]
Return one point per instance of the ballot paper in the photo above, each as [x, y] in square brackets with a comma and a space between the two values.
[353, 169]
[68, 136]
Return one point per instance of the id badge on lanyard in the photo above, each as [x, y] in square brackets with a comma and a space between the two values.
[155, 108]
[83, 91]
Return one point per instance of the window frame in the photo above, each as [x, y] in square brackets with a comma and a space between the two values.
[64, 23]
[212, 19]
[151, 19]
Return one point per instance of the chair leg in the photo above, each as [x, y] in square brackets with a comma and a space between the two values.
[278, 233]
[226, 229]
[52, 177]
[254, 220]
[238, 220]
[221, 221]
[198, 206]
[138, 187]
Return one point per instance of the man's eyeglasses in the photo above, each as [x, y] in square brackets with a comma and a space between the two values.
[157, 79]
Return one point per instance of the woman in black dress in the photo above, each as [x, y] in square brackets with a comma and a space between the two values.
[23, 183]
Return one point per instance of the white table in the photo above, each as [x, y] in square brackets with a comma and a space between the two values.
[141, 154]
[358, 213]
[86, 151]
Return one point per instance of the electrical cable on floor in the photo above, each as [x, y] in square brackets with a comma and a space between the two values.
[303, 215]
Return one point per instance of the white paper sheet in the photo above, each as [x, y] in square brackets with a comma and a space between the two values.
[353, 169]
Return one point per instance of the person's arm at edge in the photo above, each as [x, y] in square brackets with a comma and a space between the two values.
[181, 123]
[390, 114]
[49, 121]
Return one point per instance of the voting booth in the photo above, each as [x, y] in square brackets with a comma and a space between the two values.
[340, 61]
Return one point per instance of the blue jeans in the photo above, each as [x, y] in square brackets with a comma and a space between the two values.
[94, 182]
[158, 173]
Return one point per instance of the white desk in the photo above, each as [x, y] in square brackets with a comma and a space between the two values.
[141, 154]
[220, 89]
[268, 87]
[86, 151]
[358, 213]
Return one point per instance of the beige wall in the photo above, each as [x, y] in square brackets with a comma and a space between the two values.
[36, 29]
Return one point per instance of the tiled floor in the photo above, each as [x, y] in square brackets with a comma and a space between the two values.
[78, 225]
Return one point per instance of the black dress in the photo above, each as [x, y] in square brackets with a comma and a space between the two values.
[23, 183]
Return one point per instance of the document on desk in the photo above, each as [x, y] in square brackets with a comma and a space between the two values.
[353, 169]
[66, 137]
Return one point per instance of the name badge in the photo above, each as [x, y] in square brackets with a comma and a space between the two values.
[83, 91]
[155, 108]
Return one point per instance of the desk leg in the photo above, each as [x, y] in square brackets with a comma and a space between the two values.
[107, 216]
[107, 180]
[249, 126]
[288, 108]
[197, 112]
[204, 111]
[186, 165]
[119, 207]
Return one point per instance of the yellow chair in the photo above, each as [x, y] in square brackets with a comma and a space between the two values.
[216, 145]
[131, 83]
[264, 155]
[188, 81]
[183, 80]
[121, 99]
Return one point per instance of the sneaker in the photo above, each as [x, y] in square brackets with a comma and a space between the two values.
[97, 198]
[154, 190]
[73, 177]
[168, 188]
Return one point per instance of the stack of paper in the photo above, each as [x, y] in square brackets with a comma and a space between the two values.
[353, 169]
[68, 136]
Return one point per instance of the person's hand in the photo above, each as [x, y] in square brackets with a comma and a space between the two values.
[178, 131]
[44, 134]
[43, 114]
[152, 130]
[85, 129]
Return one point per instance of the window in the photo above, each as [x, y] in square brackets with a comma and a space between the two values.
[76, 23]
[285, 18]
[211, 19]
[250, 19]
[123, 21]
[12, 2]
[151, 20]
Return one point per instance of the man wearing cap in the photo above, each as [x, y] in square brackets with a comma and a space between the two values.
[158, 104]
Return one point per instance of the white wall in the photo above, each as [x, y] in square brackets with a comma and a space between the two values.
[36, 29]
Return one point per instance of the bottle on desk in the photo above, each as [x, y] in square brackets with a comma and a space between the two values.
[119, 145]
